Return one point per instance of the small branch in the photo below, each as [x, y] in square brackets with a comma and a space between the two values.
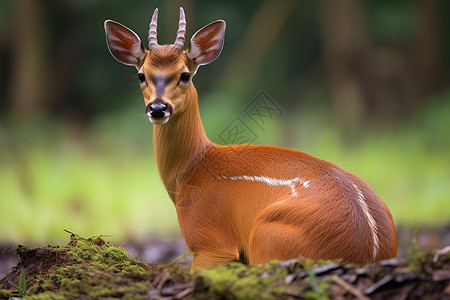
[355, 292]
[440, 252]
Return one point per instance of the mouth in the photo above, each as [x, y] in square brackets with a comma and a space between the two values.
[159, 120]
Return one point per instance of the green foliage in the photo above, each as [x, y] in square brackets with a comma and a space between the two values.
[418, 257]
[21, 287]
[181, 257]
[318, 288]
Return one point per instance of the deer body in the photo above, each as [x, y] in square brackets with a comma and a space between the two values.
[245, 202]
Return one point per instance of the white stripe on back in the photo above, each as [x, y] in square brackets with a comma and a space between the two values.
[271, 181]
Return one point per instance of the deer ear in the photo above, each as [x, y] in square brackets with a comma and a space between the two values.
[123, 44]
[206, 44]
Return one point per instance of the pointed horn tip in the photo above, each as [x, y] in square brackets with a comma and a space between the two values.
[155, 13]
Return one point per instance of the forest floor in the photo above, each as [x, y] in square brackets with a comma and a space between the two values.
[92, 268]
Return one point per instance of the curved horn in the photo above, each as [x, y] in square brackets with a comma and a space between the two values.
[152, 33]
[179, 41]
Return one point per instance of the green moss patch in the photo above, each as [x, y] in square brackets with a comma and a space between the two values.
[88, 267]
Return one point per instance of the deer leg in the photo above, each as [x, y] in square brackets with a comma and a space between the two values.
[212, 259]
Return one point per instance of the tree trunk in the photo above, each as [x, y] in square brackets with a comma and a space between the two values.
[345, 44]
[428, 45]
[29, 67]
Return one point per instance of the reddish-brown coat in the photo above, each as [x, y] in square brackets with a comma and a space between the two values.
[222, 219]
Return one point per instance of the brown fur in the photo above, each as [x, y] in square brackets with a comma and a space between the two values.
[164, 56]
[221, 219]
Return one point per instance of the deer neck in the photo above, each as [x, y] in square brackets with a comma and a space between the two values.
[180, 144]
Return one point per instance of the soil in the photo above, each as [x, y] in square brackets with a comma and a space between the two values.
[91, 268]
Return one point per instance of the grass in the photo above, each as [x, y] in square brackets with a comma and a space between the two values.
[103, 179]
[21, 287]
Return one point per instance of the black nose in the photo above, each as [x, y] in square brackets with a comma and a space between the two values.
[157, 109]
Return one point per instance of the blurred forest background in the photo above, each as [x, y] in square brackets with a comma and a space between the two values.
[364, 84]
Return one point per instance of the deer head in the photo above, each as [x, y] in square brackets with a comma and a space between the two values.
[165, 71]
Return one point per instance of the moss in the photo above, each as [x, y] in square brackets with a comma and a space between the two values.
[91, 268]
[101, 255]
[316, 289]
[237, 281]
[79, 262]
[419, 260]
[47, 295]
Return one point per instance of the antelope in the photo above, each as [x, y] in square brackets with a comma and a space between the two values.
[245, 202]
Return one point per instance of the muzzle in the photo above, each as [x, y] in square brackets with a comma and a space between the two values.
[158, 111]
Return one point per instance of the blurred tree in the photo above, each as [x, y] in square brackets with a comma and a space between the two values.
[346, 47]
[407, 66]
[30, 61]
[380, 58]
[429, 44]
[257, 38]
[380, 80]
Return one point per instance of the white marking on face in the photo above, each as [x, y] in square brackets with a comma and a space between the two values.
[370, 220]
[271, 181]
[162, 120]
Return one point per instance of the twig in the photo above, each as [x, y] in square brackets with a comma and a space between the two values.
[124, 243]
[440, 252]
[184, 293]
[70, 232]
[181, 257]
[355, 292]
[378, 284]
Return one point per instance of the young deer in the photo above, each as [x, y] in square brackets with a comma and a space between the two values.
[250, 203]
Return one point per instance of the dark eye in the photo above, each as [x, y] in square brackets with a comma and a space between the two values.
[141, 77]
[185, 77]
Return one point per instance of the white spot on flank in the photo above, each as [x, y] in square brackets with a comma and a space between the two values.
[271, 181]
[370, 220]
